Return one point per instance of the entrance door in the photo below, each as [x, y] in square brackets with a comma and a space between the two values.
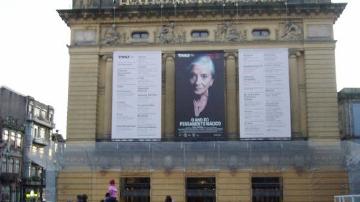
[200, 189]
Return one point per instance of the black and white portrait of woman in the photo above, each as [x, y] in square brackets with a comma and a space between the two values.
[199, 94]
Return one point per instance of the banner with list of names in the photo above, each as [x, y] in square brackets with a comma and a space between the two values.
[264, 93]
[136, 98]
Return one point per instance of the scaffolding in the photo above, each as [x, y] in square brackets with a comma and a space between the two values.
[302, 155]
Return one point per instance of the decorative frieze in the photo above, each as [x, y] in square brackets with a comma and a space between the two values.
[168, 33]
[227, 32]
[111, 36]
[291, 31]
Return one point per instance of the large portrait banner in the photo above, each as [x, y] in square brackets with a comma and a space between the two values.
[264, 93]
[199, 94]
[136, 98]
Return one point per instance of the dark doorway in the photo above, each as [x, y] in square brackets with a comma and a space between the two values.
[135, 189]
[200, 189]
[266, 189]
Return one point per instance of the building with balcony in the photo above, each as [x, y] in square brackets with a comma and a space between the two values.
[204, 101]
[11, 145]
[349, 122]
[36, 122]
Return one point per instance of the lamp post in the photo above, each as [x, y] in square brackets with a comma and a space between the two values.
[31, 196]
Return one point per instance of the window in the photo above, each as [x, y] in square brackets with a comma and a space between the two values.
[200, 189]
[41, 150]
[266, 189]
[51, 115]
[200, 34]
[135, 189]
[33, 171]
[260, 33]
[140, 35]
[17, 166]
[18, 140]
[34, 149]
[35, 131]
[39, 172]
[43, 114]
[42, 133]
[356, 119]
[5, 135]
[30, 108]
[12, 138]
[3, 165]
[10, 165]
[5, 193]
[36, 112]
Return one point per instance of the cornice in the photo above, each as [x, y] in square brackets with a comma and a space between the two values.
[133, 12]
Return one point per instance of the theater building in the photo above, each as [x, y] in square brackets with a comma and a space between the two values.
[203, 100]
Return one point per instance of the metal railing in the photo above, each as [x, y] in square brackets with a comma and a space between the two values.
[347, 198]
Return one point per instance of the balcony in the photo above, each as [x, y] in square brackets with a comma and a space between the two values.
[34, 181]
[40, 141]
[41, 121]
[9, 177]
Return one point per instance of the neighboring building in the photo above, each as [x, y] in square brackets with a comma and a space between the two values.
[272, 133]
[349, 122]
[36, 119]
[349, 113]
[11, 145]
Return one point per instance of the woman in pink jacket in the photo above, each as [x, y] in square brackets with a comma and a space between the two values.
[112, 190]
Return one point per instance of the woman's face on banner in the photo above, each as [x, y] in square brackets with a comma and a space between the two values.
[200, 79]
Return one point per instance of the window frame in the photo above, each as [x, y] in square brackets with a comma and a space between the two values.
[18, 141]
[5, 133]
[201, 187]
[200, 34]
[142, 35]
[277, 187]
[354, 120]
[261, 32]
[136, 191]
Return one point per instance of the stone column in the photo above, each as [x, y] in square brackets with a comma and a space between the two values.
[302, 93]
[108, 96]
[294, 94]
[231, 96]
[168, 118]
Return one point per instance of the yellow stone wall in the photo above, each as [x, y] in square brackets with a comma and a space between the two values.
[319, 186]
[312, 88]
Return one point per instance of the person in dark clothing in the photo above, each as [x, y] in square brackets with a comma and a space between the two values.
[168, 198]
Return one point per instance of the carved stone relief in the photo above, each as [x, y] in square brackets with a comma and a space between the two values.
[291, 31]
[111, 36]
[228, 33]
[168, 33]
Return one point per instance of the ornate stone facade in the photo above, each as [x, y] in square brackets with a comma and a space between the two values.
[169, 33]
[227, 32]
[111, 36]
[291, 31]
